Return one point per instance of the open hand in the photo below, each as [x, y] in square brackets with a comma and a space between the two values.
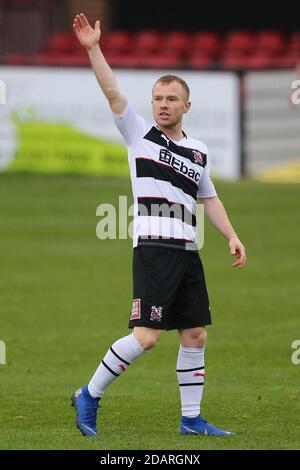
[87, 36]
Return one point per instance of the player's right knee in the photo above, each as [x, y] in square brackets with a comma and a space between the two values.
[147, 339]
[149, 343]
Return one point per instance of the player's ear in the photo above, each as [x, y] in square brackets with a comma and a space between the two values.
[187, 106]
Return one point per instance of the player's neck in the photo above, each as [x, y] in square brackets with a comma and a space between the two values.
[173, 133]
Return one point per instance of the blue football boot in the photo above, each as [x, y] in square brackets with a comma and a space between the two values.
[86, 411]
[199, 425]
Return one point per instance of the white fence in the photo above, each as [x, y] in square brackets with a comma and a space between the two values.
[272, 120]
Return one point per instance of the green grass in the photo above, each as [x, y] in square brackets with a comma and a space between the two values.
[65, 297]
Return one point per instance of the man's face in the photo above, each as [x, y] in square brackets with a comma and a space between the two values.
[169, 102]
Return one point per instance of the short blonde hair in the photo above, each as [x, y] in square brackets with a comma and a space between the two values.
[166, 79]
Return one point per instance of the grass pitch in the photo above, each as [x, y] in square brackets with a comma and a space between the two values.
[65, 297]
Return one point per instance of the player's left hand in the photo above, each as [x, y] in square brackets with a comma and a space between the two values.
[237, 249]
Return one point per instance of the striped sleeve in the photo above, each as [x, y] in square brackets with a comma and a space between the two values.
[206, 186]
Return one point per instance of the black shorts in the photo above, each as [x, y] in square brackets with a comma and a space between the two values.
[169, 290]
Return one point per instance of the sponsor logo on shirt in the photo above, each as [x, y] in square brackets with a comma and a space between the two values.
[165, 156]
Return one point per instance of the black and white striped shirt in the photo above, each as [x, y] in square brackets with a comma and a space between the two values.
[167, 177]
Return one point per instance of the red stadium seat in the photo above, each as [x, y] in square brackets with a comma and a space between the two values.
[262, 57]
[260, 61]
[242, 42]
[117, 42]
[200, 61]
[233, 60]
[244, 61]
[270, 42]
[177, 42]
[123, 60]
[147, 42]
[287, 60]
[61, 43]
[140, 60]
[161, 61]
[206, 42]
[293, 45]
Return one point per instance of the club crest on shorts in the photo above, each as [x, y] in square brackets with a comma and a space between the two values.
[156, 313]
[199, 158]
[136, 309]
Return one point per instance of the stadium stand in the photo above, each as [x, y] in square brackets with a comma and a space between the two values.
[241, 49]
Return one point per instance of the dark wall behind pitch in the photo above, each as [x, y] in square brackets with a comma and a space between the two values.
[207, 14]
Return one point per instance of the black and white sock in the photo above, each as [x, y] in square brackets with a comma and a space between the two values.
[190, 374]
[121, 354]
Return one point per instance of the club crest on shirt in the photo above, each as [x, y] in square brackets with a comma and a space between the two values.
[156, 313]
[199, 158]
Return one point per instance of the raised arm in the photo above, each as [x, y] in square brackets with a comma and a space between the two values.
[89, 39]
